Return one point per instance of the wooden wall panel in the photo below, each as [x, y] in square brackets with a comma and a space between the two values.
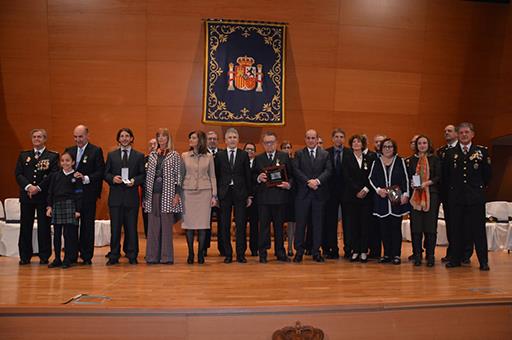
[393, 66]
[376, 91]
[98, 82]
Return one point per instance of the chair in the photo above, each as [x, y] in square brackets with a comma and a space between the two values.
[2, 212]
[498, 226]
[12, 210]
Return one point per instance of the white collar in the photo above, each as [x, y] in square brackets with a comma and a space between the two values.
[453, 144]
[68, 173]
[468, 146]
[83, 147]
[40, 151]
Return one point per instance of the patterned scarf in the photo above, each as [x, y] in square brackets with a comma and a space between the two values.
[421, 196]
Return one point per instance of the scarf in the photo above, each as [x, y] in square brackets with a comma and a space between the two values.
[420, 199]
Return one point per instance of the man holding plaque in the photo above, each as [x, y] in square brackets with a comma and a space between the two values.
[311, 169]
[124, 173]
[272, 170]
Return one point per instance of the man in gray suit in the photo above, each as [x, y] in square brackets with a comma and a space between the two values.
[311, 169]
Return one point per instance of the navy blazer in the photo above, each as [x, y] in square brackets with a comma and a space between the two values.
[379, 179]
[120, 194]
[91, 164]
[305, 169]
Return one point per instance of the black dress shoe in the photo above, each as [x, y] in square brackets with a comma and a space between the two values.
[133, 261]
[484, 267]
[417, 262]
[66, 265]
[200, 259]
[87, 262]
[466, 261]
[241, 259]
[445, 259]
[297, 258]
[385, 259]
[318, 258]
[228, 259]
[112, 262]
[283, 258]
[431, 261]
[55, 264]
[452, 265]
[190, 259]
[43, 261]
[263, 259]
[396, 260]
[24, 262]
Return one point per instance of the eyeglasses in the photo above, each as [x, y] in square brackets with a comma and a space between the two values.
[269, 142]
[388, 147]
[249, 149]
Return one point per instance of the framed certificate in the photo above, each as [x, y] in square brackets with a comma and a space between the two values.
[276, 175]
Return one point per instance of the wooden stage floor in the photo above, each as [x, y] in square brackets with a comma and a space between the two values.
[216, 286]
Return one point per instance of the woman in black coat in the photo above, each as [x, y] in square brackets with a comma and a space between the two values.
[425, 175]
[390, 180]
[357, 202]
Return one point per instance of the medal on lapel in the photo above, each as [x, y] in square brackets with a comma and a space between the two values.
[365, 166]
[475, 166]
[27, 160]
[84, 160]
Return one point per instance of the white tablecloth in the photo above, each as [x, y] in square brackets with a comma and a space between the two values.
[442, 240]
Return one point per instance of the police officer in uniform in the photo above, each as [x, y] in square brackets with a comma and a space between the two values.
[467, 172]
[33, 170]
[450, 136]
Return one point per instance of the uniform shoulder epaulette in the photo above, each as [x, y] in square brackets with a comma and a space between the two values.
[53, 151]
[482, 147]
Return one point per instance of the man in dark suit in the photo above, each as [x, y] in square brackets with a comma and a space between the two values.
[252, 211]
[33, 170]
[337, 156]
[450, 135]
[89, 168]
[272, 200]
[212, 140]
[467, 172]
[234, 191]
[124, 172]
[311, 169]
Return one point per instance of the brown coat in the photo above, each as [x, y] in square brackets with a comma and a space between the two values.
[199, 172]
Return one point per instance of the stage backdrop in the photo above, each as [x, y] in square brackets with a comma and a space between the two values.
[244, 73]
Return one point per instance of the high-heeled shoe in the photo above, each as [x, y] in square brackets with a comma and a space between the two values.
[354, 257]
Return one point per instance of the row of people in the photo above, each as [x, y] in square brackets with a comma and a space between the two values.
[205, 179]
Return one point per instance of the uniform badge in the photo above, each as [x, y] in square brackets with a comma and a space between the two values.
[277, 161]
[454, 165]
[73, 180]
[43, 164]
[84, 160]
[456, 156]
[28, 159]
[475, 166]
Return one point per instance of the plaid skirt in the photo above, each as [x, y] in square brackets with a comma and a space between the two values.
[64, 212]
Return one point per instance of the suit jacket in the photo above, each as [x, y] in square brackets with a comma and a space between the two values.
[120, 194]
[356, 178]
[304, 169]
[91, 164]
[30, 170]
[240, 174]
[271, 195]
[466, 176]
[337, 181]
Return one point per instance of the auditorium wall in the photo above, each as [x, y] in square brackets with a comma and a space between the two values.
[393, 66]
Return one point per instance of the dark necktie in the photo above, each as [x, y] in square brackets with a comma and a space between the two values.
[312, 154]
[465, 149]
[270, 157]
[231, 158]
[337, 163]
[124, 160]
[37, 154]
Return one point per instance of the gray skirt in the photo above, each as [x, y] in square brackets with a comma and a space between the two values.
[63, 212]
[196, 209]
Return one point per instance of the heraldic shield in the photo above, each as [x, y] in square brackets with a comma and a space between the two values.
[244, 73]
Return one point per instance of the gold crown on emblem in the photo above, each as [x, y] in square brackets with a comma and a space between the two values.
[245, 61]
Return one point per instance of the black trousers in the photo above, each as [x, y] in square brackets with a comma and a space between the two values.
[274, 213]
[391, 232]
[429, 244]
[70, 232]
[304, 210]
[358, 217]
[228, 204]
[468, 223]
[44, 238]
[208, 238]
[124, 218]
[330, 229]
[374, 237]
[86, 241]
[253, 219]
